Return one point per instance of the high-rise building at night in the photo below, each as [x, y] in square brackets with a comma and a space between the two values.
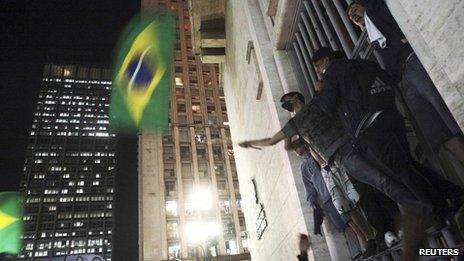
[69, 167]
[189, 200]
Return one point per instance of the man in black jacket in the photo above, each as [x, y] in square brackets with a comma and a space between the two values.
[428, 108]
[375, 126]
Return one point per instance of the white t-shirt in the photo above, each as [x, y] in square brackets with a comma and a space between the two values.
[373, 32]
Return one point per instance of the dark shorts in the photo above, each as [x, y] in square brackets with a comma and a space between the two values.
[435, 121]
[339, 221]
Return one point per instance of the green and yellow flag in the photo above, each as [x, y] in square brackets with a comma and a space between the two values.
[142, 77]
[11, 222]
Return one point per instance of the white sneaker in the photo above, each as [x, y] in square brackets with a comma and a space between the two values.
[391, 239]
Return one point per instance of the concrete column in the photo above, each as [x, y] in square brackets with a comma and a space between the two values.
[221, 247]
[233, 199]
[152, 211]
[180, 194]
[285, 70]
[286, 13]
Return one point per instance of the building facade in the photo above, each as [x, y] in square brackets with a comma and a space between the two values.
[189, 199]
[268, 49]
[69, 166]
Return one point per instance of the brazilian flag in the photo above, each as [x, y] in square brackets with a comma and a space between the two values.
[142, 77]
[11, 222]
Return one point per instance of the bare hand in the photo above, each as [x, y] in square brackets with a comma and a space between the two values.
[247, 144]
[244, 144]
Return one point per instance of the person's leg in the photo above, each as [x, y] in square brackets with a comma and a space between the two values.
[456, 146]
[380, 210]
[340, 221]
[431, 112]
[416, 211]
[429, 122]
[386, 149]
[361, 222]
[444, 187]
[421, 80]
[353, 242]
[418, 185]
[388, 143]
[364, 171]
[362, 239]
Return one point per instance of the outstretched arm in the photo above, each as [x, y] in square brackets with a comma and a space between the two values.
[279, 136]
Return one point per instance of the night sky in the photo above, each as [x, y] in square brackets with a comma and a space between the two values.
[28, 31]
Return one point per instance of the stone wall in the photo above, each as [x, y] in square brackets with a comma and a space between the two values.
[279, 185]
[152, 221]
[435, 31]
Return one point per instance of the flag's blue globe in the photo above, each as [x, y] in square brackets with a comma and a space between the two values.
[140, 73]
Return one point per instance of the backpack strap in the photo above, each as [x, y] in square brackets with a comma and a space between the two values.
[366, 121]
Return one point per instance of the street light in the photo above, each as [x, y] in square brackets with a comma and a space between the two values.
[200, 234]
[195, 232]
[201, 199]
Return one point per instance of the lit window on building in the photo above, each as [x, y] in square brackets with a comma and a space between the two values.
[196, 108]
[171, 208]
[170, 188]
[224, 206]
[179, 81]
[231, 247]
[172, 229]
[38, 161]
[239, 204]
[29, 246]
[173, 252]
